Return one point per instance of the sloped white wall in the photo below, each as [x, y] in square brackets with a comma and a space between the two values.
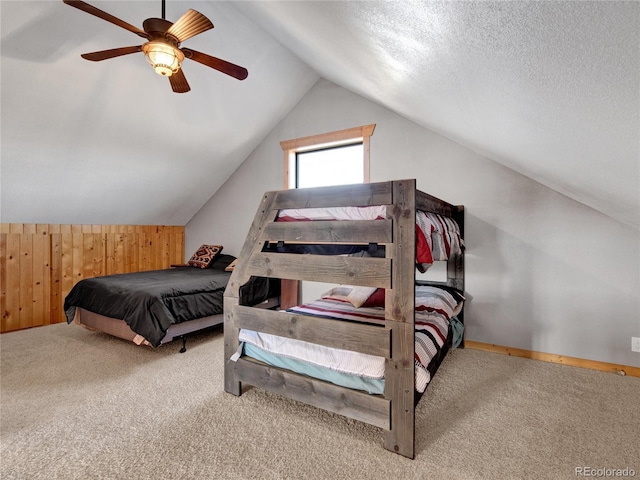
[544, 272]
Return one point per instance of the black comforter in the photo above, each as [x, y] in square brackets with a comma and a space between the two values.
[150, 302]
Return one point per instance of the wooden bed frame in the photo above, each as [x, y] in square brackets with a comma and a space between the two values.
[394, 411]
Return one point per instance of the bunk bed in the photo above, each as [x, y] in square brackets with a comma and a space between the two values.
[158, 306]
[378, 254]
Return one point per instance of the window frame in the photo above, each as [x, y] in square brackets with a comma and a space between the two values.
[322, 141]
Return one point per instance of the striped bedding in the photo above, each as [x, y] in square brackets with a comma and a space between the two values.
[432, 325]
[437, 237]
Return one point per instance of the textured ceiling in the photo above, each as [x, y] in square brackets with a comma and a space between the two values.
[550, 89]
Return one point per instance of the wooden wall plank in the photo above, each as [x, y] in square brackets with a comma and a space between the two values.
[148, 254]
[154, 243]
[180, 256]
[11, 259]
[134, 251]
[66, 263]
[166, 248]
[88, 254]
[56, 298]
[46, 269]
[3, 273]
[120, 260]
[99, 249]
[77, 256]
[173, 244]
[26, 280]
[110, 253]
[40, 245]
[125, 240]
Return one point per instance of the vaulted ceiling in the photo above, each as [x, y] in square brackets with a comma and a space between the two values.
[549, 89]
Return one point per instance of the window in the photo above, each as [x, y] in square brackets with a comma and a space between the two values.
[334, 158]
[319, 168]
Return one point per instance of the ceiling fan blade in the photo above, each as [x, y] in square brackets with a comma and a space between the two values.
[189, 25]
[90, 9]
[179, 82]
[107, 54]
[223, 66]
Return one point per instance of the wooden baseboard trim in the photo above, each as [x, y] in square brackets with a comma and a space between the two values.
[550, 357]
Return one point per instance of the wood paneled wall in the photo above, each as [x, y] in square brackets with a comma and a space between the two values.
[40, 263]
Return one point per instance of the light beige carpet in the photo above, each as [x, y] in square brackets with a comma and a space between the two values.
[80, 405]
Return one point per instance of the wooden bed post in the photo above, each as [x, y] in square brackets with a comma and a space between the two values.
[400, 318]
[455, 265]
[238, 278]
[231, 344]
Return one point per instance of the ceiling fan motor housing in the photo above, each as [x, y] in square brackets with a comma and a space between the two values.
[161, 50]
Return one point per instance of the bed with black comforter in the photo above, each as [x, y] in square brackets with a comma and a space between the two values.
[151, 302]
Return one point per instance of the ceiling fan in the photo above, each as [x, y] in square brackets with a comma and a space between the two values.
[162, 48]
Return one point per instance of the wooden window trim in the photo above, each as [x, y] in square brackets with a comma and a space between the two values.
[329, 139]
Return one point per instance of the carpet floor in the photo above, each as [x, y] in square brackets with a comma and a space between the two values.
[76, 404]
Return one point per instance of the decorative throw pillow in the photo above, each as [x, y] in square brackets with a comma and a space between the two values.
[359, 295]
[440, 298]
[376, 299]
[204, 256]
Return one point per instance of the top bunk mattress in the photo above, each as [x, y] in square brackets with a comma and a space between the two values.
[437, 237]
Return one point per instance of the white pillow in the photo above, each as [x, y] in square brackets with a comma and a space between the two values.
[338, 293]
[435, 298]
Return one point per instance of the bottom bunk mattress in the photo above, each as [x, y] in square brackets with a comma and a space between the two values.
[436, 329]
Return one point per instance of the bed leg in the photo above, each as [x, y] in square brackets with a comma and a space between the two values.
[231, 345]
[400, 389]
[184, 343]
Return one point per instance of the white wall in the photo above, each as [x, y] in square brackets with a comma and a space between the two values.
[543, 272]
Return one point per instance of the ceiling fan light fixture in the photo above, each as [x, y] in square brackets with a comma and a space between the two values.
[163, 57]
